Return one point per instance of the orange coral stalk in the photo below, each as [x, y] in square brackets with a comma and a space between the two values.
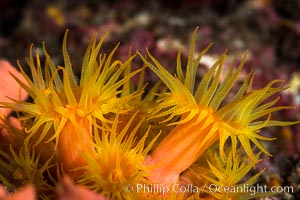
[180, 148]
[73, 141]
[11, 88]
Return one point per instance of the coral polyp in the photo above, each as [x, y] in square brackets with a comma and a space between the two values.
[63, 109]
[119, 160]
[23, 167]
[205, 118]
[124, 141]
[59, 100]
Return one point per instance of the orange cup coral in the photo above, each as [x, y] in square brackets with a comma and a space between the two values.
[205, 118]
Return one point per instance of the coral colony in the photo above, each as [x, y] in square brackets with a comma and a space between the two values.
[183, 139]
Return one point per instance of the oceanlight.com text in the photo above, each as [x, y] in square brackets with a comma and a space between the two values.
[208, 188]
[252, 190]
